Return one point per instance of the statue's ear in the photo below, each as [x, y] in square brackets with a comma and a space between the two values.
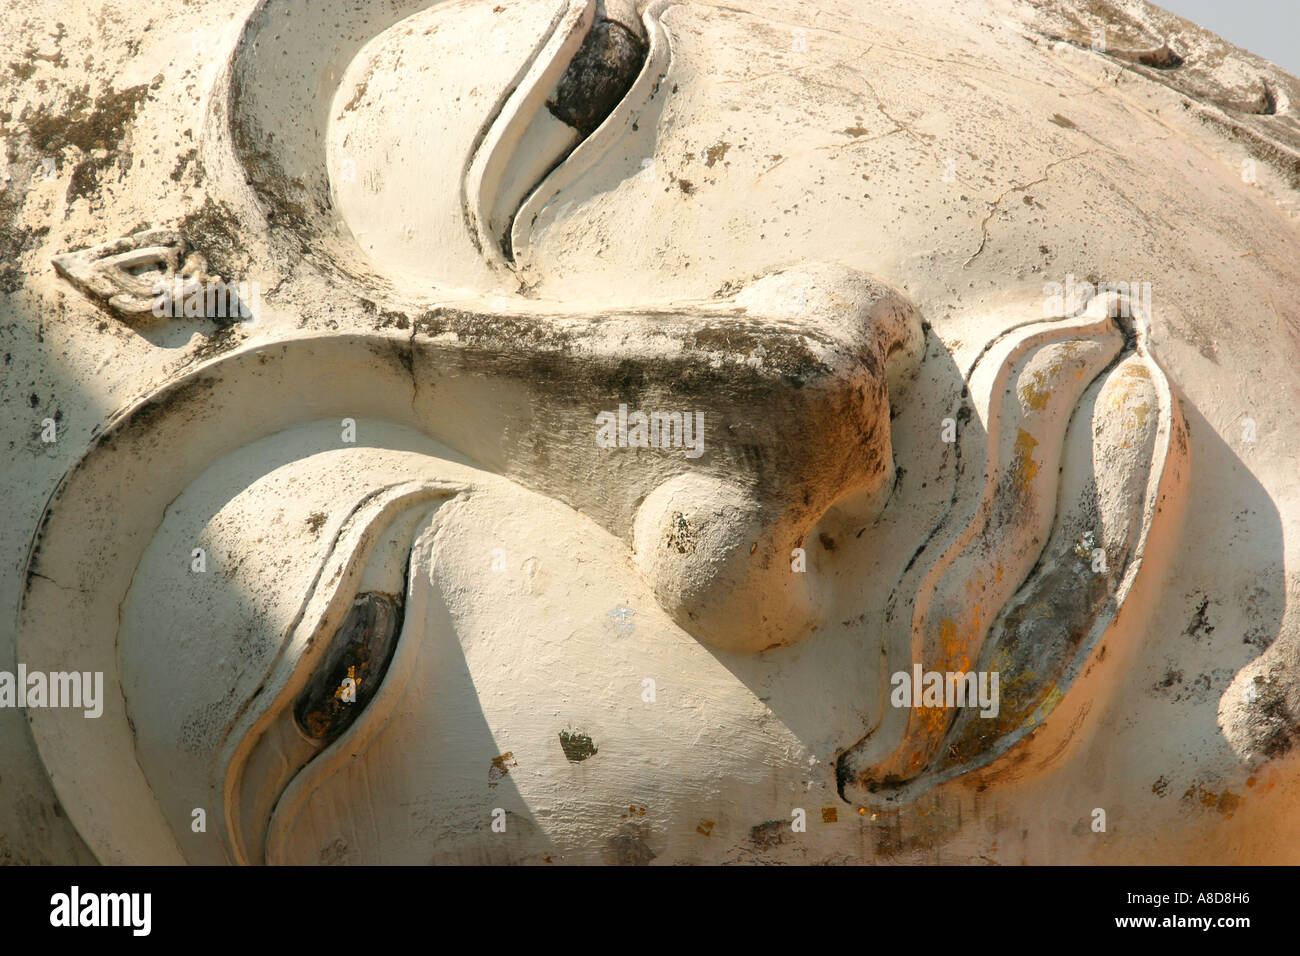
[1056, 496]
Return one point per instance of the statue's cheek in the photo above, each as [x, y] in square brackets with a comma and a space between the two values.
[536, 694]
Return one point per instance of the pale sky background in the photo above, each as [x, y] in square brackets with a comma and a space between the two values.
[1268, 28]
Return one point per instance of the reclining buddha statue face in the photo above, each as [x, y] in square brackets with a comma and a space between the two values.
[679, 433]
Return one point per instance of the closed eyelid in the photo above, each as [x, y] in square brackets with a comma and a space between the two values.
[340, 673]
[352, 669]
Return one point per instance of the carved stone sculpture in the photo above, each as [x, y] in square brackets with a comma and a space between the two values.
[654, 432]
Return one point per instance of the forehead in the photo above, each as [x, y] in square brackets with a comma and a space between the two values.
[958, 155]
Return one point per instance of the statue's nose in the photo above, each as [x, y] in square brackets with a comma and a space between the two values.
[713, 437]
[797, 422]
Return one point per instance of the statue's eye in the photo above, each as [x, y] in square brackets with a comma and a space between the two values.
[353, 667]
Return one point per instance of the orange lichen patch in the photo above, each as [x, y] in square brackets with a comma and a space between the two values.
[830, 815]
[1019, 696]
[1023, 467]
[1134, 381]
[501, 767]
[934, 724]
[1035, 393]
[956, 660]
[1250, 781]
[705, 827]
[318, 725]
[956, 650]
[1226, 802]
[344, 688]
[633, 811]
[1136, 370]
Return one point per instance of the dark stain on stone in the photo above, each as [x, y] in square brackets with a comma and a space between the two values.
[770, 834]
[335, 854]
[1162, 57]
[1272, 719]
[215, 231]
[1200, 624]
[1267, 102]
[392, 320]
[598, 77]
[316, 521]
[90, 127]
[681, 534]
[182, 163]
[784, 351]
[1061, 121]
[173, 401]
[223, 340]
[628, 847]
[577, 747]
[16, 240]
[101, 125]
[84, 183]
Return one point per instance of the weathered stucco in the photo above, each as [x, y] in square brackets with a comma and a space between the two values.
[874, 245]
